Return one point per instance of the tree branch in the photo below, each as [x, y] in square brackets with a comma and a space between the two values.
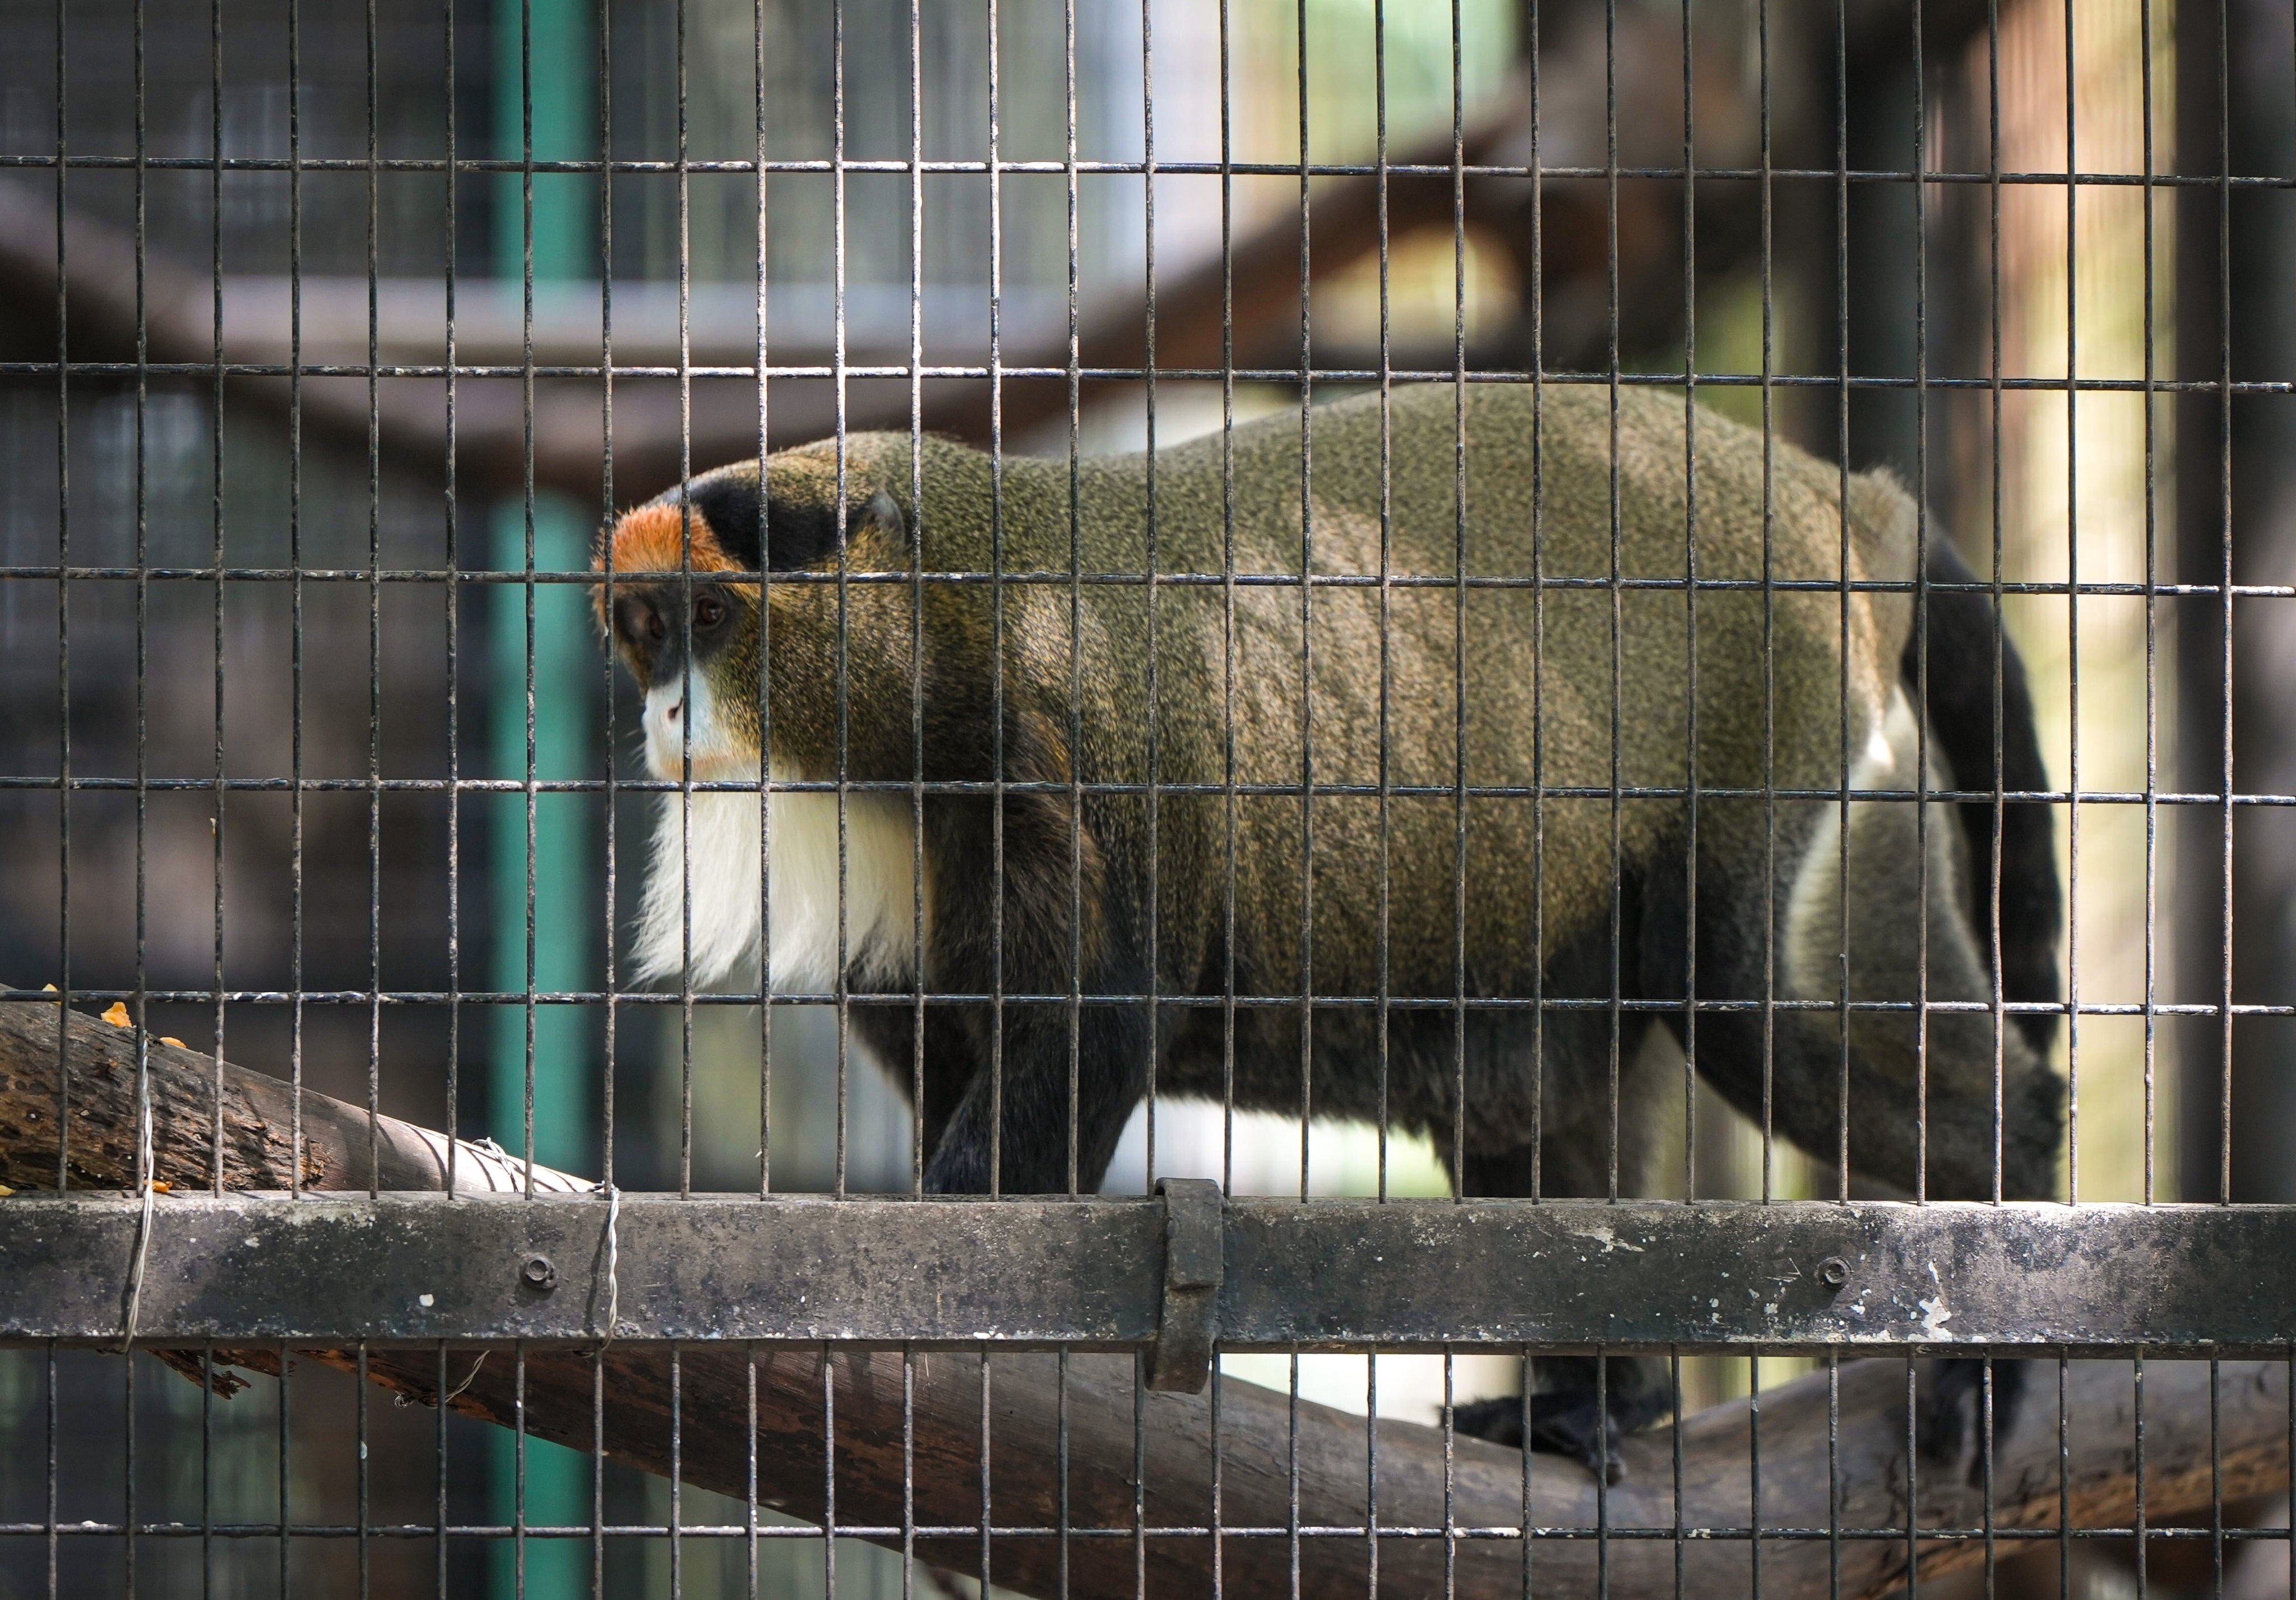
[907, 1435]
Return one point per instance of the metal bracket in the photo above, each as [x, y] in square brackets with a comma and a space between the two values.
[1196, 1259]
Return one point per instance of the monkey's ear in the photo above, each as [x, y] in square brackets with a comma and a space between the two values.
[728, 501]
[803, 533]
[884, 513]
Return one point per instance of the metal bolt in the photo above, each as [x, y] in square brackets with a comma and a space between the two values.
[1833, 1272]
[538, 1273]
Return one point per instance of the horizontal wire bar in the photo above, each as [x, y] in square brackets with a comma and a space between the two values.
[597, 578]
[1294, 373]
[961, 786]
[1559, 1532]
[1160, 168]
[1443, 1002]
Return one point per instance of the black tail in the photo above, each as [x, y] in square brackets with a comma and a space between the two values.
[1962, 733]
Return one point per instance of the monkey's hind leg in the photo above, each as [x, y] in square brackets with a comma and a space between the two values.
[1582, 1406]
[1959, 1097]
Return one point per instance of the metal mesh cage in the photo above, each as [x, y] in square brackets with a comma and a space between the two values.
[1434, 727]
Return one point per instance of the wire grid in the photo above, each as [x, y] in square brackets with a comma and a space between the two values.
[293, 1023]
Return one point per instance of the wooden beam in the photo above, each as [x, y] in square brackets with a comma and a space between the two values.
[907, 1444]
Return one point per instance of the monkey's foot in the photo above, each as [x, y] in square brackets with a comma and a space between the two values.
[1955, 1411]
[1569, 1423]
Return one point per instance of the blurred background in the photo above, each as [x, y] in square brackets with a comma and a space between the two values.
[273, 775]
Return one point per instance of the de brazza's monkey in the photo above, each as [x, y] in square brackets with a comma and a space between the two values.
[1576, 689]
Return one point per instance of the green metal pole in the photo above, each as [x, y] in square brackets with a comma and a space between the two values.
[547, 879]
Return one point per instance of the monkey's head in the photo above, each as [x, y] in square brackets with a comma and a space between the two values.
[685, 618]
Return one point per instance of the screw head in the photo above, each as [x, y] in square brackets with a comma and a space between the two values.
[537, 1273]
[1833, 1272]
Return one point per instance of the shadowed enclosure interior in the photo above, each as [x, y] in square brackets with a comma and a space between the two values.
[1319, 687]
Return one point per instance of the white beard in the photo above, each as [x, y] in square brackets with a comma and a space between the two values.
[712, 871]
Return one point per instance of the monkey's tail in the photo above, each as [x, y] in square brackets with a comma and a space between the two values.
[1962, 666]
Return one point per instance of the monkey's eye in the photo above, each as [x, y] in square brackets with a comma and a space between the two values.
[708, 613]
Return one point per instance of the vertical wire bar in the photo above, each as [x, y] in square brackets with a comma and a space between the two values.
[439, 1390]
[1155, 729]
[1832, 1470]
[908, 1452]
[1536, 288]
[765, 644]
[206, 1471]
[1841, 456]
[453, 618]
[839, 224]
[295, 604]
[2072, 643]
[986, 1566]
[610, 910]
[1229, 637]
[917, 932]
[2000, 639]
[1074, 354]
[1458, 622]
[1985, 1443]
[2065, 1479]
[1291, 1522]
[55, 1528]
[677, 1463]
[598, 1405]
[1922, 536]
[686, 984]
[1384, 952]
[365, 1510]
[144, 1168]
[1450, 1433]
[2216, 1478]
[1140, 1473]
[2224, 595]
[1062, 1526]
[215, 542]
[532, 841]
[1681, 1528]
[1754, 1471]
[996, 665]
[517, 1451]
[1526, 1375]
[1911, 1501]
[2152, 608]
[1306, 655]
[1769, 623]
[1843, 620]
[1690, 644]
[1155, 966]
[1603, 1479]
[1371, 1473]
[374, 648]
[1219, 1472]
[64, 676]
[1616, 596]
[749, 1358]
[286, 1475]
[2138, 1409]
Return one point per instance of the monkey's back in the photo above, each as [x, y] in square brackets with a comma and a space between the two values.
[1582, 530]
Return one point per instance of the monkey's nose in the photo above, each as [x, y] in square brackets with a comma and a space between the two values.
[672, 714]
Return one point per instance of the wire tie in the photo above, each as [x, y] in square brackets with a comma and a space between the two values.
[143, 1221]
[455, 1393]
[611, 1244]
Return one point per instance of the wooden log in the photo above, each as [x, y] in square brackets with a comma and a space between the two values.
[902, 1439]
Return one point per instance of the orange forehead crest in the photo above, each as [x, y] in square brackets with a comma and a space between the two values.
[653, 539]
